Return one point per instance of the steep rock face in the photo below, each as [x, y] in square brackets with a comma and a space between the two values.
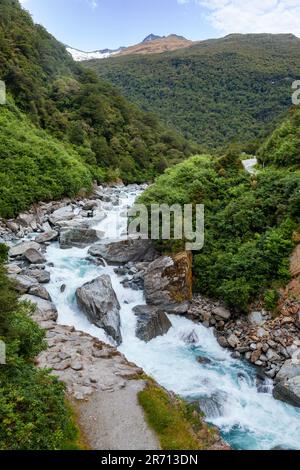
[295, 262]
[99, 302]
[287, 386]
[124, 251]
[293, 288]
[168, 282]
[151, 322]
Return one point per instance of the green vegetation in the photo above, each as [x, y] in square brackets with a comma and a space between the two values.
[249, 224]
[177, 424]
[216, 92]
[33, 411]
[101, 136]
[282, 149]
[33, 165]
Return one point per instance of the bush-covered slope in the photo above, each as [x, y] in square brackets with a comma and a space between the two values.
[282, 149]
[33, 412]
[217, 91]
[74, 106]
[249, 225]
[33, 165]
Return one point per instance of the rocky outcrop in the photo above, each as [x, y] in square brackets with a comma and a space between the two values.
[151, 322]
[40, 291]
[45, 311]
[63, 213]
[23, 283]
[21, 248]
[79, 238]
[41, 275]
[168, 283]
[46, 237]
[263, 341]
[122, 252]
[287, 386]
[99, 302]
[33, 256]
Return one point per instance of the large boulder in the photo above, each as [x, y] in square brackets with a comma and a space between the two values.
[289, 370]
[34, 256]
[288, 391]
[27, 220]
[45, 310]
[21, 248]
[125, 251]
[23, 283]
[40, 291]
[99, 302]
[79, 238]
[287, 386]
[41, 275]
[168, 283]
[151, 322]
[48, 236]
[64, 213]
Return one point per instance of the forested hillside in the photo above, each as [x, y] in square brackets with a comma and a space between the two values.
[216, 92]
[250, 220]
[283, 146]
[97, 128]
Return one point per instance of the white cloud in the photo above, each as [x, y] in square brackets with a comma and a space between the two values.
[257, 16]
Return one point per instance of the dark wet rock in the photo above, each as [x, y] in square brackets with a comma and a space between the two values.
[151, 322]
[124, 251]
[204, 360]
[190, 337]
[79, 238]
[99, 302]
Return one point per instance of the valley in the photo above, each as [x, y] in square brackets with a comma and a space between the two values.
[116, 343]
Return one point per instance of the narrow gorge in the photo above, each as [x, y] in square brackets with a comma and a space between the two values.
[95, 291]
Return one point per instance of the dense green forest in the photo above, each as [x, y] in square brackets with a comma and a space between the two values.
[97, 128]
[33, 412]
[250, 220]
[216, 92]
[282, 148]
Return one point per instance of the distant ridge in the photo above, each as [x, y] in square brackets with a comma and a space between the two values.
[152, 44]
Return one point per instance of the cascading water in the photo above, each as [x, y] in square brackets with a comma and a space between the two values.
[248, 416]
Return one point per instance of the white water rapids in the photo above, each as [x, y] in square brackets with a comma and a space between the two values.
[226, 388]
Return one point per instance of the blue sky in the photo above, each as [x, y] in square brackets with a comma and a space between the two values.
[97, 24]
